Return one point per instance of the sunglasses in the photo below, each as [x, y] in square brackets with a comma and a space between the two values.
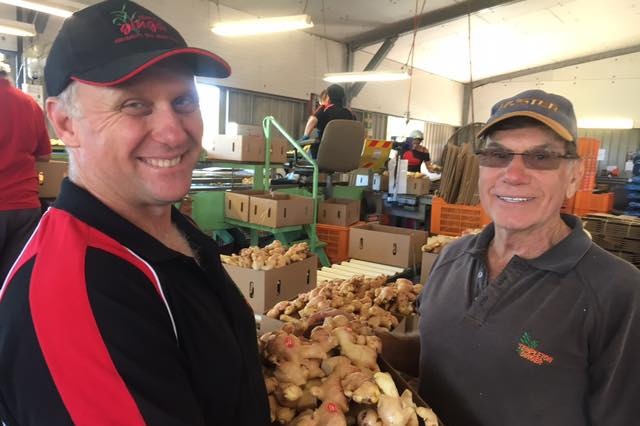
[539, 159]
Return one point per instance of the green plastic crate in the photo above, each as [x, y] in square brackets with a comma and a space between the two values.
[349, 192]
[207, 210]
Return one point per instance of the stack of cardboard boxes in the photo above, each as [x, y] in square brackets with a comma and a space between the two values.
[271, 209]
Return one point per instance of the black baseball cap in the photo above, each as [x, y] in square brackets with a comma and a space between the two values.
[112, 41]
[553, 110]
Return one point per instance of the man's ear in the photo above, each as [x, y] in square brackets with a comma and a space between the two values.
[575, 176]
[62, 122]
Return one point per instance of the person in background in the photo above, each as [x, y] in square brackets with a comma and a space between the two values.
[416, 154]
[118, 311]
[529, 322]
[23, 141]
[331, 108]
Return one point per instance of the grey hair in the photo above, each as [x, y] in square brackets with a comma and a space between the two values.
[68, 100]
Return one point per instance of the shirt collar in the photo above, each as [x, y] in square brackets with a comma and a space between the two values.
[560, 258]
[83, 205]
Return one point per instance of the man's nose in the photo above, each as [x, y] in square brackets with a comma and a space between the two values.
[516, 170]
[168, 126]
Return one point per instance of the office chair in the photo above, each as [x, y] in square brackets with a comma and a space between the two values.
[340, 150]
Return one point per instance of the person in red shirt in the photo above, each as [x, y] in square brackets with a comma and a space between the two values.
[417, 153]
[23, 141]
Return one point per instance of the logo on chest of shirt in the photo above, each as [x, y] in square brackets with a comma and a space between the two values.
[527, 349]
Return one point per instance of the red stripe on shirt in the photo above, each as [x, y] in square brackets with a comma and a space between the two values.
[84, 373]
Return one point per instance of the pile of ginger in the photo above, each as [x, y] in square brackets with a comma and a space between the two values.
[332, 378]
[275, 255]
[367, 300]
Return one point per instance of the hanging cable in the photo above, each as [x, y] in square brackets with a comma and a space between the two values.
[473, 120]
[324, 30]
[409, 63]
[218, 10]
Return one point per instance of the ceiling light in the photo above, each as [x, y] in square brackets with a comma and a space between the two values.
[351, 77]
[605, 123]
[262, 25]
[17, 28]
[40, 6]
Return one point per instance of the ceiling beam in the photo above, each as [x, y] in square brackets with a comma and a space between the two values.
[425, 20]
[377, 59]
[556, 65]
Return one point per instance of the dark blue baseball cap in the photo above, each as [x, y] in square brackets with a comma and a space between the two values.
[112, 41]
[553, 110]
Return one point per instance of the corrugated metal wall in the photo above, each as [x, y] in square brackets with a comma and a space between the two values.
[251, 108]
[435, 138]
[375, 123]
[618, 144]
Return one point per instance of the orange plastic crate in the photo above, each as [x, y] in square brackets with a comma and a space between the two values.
[337, 240]
[588, 182]
[452, 219]
[588, 202]
[588, 147]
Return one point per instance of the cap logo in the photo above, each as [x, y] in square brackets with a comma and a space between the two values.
[529, 101]
[133, 26]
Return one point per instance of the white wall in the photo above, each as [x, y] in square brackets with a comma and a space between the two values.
[609, 88]
[289, 64]
[433, 98]
[293, 64]
[8, 42]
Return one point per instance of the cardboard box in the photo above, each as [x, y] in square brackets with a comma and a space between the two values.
[335, 211]
[237, 204]
[263, 289]
[428, 259]
[50, 175]
[380, 182]
[408, 325]
[264, 324]
[388, 245]
[276, 210]
[237, 148]
[417, 186]
[279, 148]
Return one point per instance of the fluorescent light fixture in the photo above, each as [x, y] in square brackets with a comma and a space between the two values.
[351, 77]
[40, 6]
[17, 28]
[262, 25]
[605, 123]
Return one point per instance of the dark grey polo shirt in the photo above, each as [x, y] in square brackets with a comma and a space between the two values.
[552, 341]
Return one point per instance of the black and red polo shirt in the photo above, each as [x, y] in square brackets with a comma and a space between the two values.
[101, 324]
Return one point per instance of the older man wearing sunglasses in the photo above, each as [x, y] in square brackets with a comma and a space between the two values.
[529, 322]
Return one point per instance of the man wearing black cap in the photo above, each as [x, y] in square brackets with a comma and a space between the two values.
[118, 311]
[331, 108]
[529, 322]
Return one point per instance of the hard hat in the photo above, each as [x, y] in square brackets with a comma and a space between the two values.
[416, 134]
